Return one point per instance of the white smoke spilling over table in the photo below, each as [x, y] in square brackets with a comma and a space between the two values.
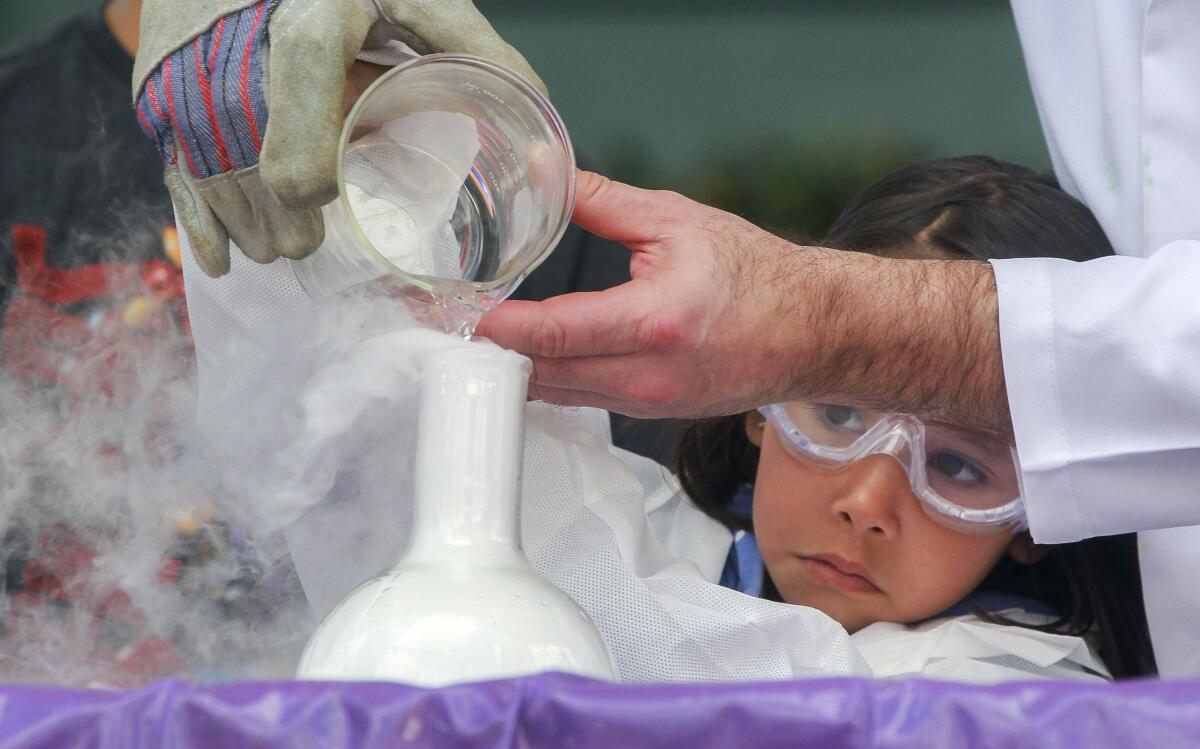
[137, 545]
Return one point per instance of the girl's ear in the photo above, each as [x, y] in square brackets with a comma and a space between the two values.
[755, 423]
[1023, 550]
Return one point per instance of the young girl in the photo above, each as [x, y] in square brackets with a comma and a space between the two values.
[879, 518]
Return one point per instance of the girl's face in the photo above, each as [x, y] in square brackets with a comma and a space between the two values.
[856, 544]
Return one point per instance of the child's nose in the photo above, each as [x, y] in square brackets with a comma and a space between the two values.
[870, 496]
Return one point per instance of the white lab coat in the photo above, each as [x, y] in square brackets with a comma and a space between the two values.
[968, 649]
[1102, 359]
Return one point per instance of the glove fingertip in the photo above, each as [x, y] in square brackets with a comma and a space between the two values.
[210, 247]
[203, 231]
[308, 232]
[214, 264]
[263, 228]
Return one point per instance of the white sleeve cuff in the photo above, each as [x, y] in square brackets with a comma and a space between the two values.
[1030, 376]
[1102, 366]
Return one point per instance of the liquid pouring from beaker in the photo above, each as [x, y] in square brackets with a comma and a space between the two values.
[456, 180]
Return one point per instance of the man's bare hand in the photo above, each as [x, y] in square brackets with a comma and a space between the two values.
[722, 317]
[702, 328]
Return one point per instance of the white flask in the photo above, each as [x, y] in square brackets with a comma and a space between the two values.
[463, 604]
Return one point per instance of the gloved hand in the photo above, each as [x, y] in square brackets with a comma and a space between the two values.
[209, 72]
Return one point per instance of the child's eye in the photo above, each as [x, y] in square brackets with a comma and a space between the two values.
[956, 468]
[842, 417]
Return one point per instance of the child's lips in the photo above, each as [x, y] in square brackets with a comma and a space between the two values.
[838, 572]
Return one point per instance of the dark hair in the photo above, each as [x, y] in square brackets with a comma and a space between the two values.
[982, 208]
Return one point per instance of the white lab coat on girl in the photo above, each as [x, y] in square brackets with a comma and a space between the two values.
[1102, 359]
[617, 533]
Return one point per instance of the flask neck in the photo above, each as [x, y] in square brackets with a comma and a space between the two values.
[469, 453]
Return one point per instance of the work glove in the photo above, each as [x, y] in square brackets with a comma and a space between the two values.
[244, 100]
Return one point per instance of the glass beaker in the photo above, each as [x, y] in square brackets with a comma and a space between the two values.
[456, 179]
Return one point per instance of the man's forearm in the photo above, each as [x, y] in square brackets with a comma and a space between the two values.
[722, 317]
[918, 336]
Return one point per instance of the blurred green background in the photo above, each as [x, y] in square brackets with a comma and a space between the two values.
[776, 109]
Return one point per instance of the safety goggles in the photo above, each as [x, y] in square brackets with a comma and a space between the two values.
[965, 481]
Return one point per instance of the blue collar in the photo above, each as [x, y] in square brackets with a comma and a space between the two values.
[744, 571]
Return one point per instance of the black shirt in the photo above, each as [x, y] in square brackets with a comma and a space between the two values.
[84, 214]
[72, 158]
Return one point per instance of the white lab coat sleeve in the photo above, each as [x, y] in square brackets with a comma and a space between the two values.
[1102, 366]
[1101, 358]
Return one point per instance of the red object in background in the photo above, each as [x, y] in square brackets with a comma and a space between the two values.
[57, 581]
[158, 276]
[63, 567]
[63, 286]
[94, 351]
[168, 571]
[85, 330]
[117, 606]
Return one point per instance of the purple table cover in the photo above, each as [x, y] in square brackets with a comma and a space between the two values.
[554, 710]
